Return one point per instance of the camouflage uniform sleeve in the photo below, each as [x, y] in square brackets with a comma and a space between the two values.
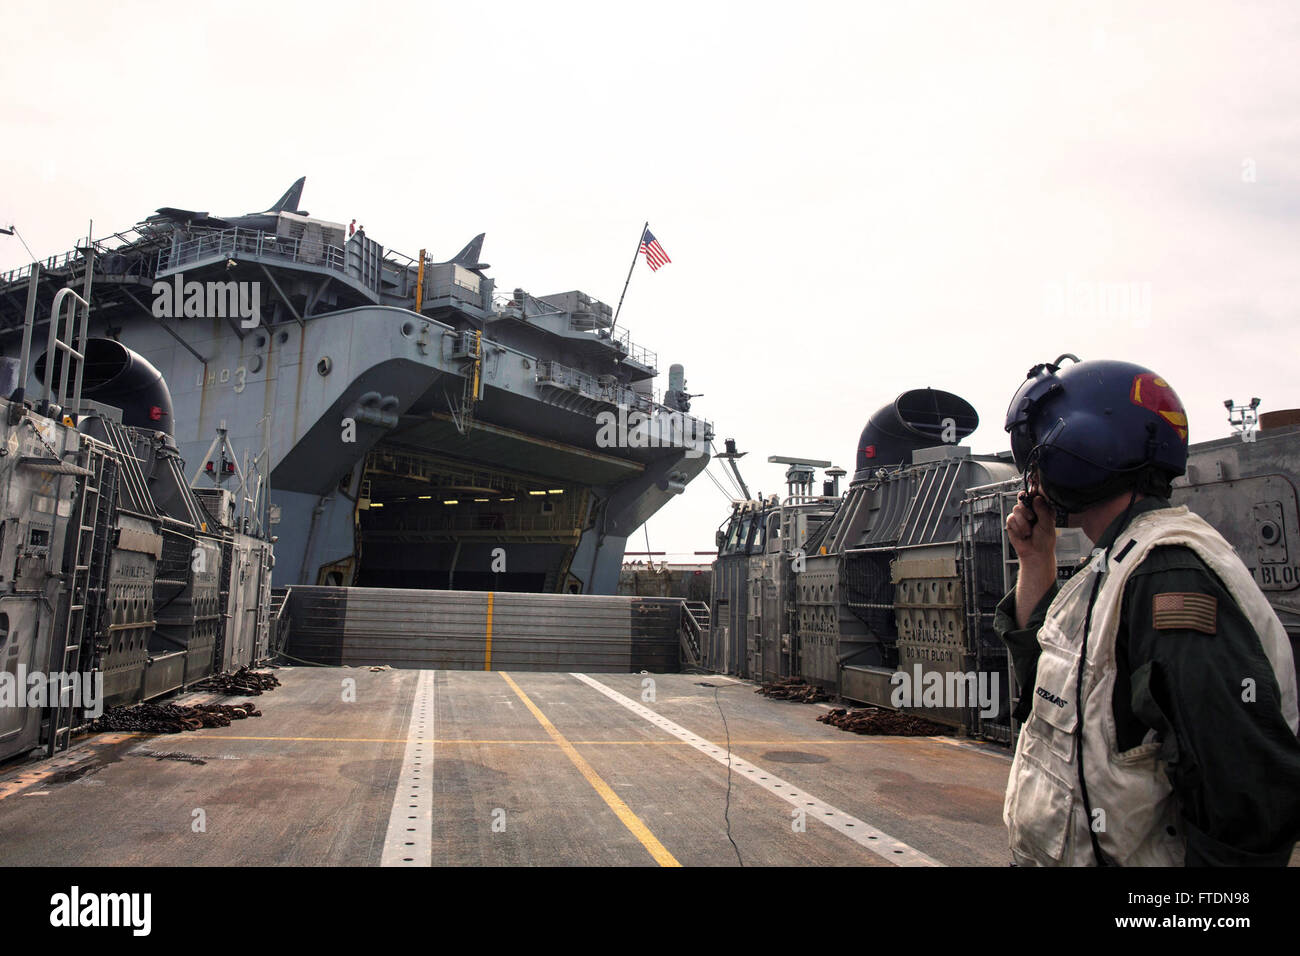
[1196, 674]
[1022, 643]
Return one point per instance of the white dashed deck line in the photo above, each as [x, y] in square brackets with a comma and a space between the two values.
[409, 841]
[877, 841]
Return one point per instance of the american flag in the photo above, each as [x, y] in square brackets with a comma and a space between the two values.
[1189, 611]
[654, 253]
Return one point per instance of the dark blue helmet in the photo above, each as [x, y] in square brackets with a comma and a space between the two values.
[1094, 429]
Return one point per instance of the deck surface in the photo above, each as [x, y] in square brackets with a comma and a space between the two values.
[490, 769]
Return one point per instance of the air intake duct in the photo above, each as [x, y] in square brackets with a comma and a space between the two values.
[920, 418]
[116, 376]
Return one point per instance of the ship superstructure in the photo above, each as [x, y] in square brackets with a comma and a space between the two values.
[417, 428]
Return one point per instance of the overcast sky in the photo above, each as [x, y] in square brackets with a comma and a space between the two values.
[858, 198]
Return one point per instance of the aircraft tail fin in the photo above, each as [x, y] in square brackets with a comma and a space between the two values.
[292, 196]
[470, 255]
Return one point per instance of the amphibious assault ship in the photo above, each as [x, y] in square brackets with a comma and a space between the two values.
[469, 736]
[416, 427]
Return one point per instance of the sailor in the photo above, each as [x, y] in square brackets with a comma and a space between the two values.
[1158, 690]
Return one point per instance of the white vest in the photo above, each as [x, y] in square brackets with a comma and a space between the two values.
[1132, 800]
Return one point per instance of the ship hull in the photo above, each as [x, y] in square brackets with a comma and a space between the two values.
[330, 399]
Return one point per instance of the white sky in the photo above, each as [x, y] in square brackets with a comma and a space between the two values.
[858, 198]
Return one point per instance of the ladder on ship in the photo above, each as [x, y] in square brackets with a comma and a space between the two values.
[468, 348]
[696, 624]
[86, 572]
[85, 568]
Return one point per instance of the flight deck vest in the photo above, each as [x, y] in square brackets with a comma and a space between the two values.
[1133, 805]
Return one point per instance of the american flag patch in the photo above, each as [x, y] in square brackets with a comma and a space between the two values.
[1184, 611]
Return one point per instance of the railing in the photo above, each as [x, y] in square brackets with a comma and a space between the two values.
[455, 290]
[52, 264]
[615, 393]
[418, 467]
[637, 353]
[400, 259]
[621, 338]
[234, 242]
[140, 264]
[279, 623]
[529, 306]
[611, 392]
[518, 305]
[694, 631]
[69, 353]
[989, 566]
[130, 243]
[557, 522]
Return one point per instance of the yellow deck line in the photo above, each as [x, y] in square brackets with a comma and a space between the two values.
[487, 647]
[621, 809]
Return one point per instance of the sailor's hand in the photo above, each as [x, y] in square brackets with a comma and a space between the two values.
[1031, 527]
[1035, 545]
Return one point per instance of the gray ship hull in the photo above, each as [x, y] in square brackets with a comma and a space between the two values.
[396, 423]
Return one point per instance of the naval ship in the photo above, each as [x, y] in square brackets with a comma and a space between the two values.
[412, 426]
[446, 728]
[398, 422]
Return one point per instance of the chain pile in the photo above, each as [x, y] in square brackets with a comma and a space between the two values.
[792, 688]
[887, 723]
[242, 683]
[172, 718]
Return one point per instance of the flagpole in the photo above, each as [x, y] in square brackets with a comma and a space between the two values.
[639, 240]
